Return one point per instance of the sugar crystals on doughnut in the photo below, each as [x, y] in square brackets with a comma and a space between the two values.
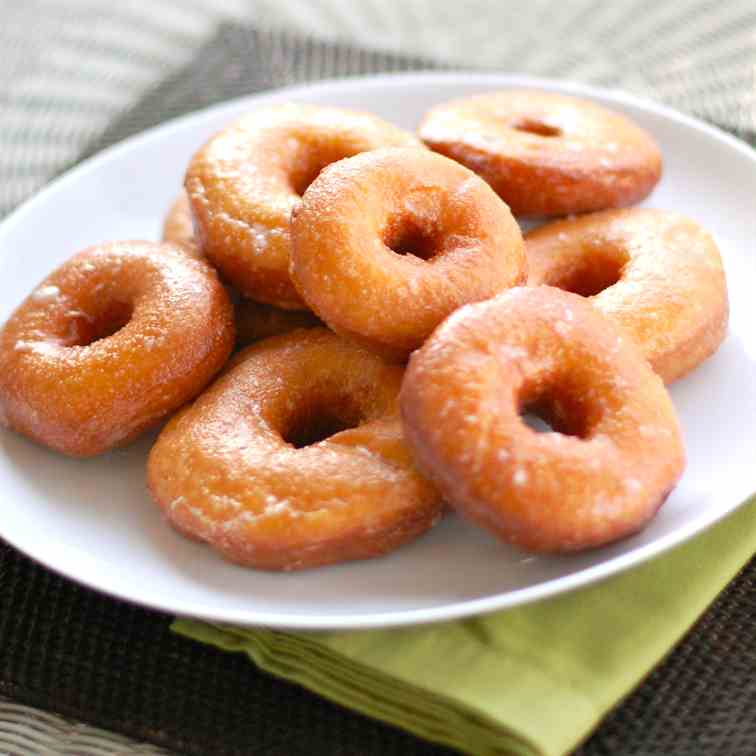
[592, 480]
[546, 153]
[244, 183]
[658, 275]
[388, 243]
[295, 458]
[110, 343]
[304, 452]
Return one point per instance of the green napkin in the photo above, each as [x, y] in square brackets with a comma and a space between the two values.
[531, 680]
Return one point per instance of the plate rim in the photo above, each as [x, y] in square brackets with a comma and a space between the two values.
[453, 609]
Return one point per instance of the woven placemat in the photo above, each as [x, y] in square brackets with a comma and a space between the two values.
[69, 650]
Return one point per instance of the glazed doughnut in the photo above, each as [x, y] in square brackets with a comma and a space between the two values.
[108, 344]
[244, 468]
[656, 274]
[388, 243]
[245, 181]
[616, 450]
[546, 153]
[178, 226]
[255, 321]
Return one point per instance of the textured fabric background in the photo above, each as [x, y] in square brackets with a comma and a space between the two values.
[71, 73]
[71, 66]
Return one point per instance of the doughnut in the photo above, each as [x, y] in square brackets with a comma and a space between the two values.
[615, 450]
[112, 341]
[178, 226]
[245, 181]
[656, 274]
[294, 458]
[388, 243]
[545, 153]
[255, 321]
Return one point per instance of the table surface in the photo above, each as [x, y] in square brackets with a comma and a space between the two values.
[62, 61]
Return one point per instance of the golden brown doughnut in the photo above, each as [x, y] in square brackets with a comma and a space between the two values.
[656, 274]
[388, 243]
[546, 153]
[109, 343]
[245, 181]
[244, 468]
[616, 450]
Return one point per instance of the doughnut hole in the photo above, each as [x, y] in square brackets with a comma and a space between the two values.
[419, 227]
[88, 328]
[592, 271]
[318, 418]
[557, 406]
[411, 236]
[319, 402]
[537, 127]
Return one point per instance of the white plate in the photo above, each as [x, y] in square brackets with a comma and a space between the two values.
[94, 522]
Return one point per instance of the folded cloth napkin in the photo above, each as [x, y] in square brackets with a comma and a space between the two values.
[531, 680]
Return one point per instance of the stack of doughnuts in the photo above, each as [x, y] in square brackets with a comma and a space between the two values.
[344, 328]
